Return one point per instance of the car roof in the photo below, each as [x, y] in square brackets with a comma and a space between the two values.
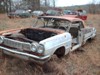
[68, 18]
[37, 11]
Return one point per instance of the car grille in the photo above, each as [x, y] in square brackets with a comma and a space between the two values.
[16, 44]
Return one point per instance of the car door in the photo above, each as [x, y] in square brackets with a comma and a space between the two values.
[80, 35]
[87, 32]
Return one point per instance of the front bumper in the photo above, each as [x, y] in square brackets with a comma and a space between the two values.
[25, 56]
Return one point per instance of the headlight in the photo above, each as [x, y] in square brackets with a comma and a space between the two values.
[40, 49]
[94, 30]
[33, 47]
[1, 39]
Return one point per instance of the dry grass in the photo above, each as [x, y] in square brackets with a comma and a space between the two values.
[76, 63]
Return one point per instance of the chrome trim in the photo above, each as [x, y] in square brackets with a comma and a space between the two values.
[1, 39]
[17, 44]
[25, 54]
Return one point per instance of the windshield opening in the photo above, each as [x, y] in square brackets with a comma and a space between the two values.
[52, 23]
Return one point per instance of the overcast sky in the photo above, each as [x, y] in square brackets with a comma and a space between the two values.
[73, 2]
[62, 3]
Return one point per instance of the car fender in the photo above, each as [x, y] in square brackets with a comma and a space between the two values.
[53, 43]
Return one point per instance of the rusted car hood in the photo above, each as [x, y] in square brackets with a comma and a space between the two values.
[44, 29]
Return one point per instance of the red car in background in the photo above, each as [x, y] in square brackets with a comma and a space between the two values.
[76, 14]
[82, 14]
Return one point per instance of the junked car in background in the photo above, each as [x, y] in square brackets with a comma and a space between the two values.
[69, 12]
[19, 13]
[11, 14]
[53, 12]
[82, 14]
[50, 35]
[37, 13]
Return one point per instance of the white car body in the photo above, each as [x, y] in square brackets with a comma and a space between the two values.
[39, 44]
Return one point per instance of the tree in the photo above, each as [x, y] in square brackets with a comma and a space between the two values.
[48, 3]
[2, 6]
[33, 4]
[53, 3]
[92, 7]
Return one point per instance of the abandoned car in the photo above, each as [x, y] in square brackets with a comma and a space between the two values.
[49, 35]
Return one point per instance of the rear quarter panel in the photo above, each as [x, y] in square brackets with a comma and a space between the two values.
[88, 32]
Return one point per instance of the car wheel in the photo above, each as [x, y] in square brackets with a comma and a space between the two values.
[60, 52]
[10, 17]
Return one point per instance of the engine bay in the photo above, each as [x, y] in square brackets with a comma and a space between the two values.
[30, 35]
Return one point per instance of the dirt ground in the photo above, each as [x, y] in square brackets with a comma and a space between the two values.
[85, 62]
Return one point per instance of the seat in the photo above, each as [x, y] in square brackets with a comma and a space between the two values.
[74, 31]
